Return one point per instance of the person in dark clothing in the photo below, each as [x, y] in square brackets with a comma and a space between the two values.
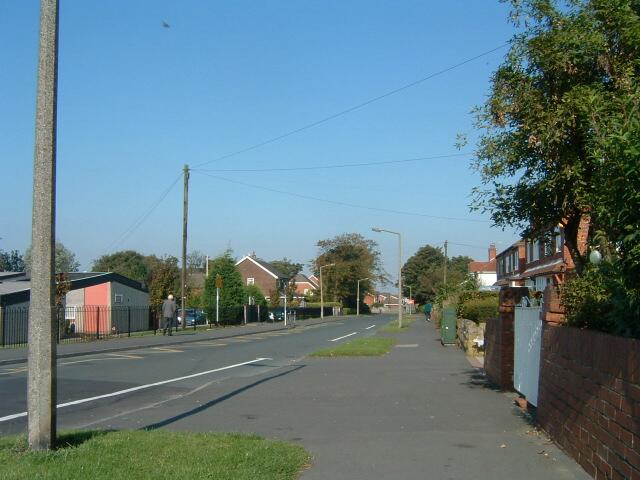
[427, 311]
[169, 309]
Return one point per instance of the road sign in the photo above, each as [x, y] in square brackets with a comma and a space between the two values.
[218, 280]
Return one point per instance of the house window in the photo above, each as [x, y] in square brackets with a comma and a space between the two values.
[557, 240]
[251, 281]
[118, 298]
[515, 261]
[70, 313]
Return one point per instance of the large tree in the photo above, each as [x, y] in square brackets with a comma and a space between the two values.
[546, 151]
[129, 263]
[424, 272]
[165, 279]
[65, 259]
[355, 258]
[287, 267]
[232, 292]
[11, 261]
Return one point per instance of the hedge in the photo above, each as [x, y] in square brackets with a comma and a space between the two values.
[479, 309]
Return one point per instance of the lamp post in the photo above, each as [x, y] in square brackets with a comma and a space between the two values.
[375, 229]
[321, 294]
[358, 297]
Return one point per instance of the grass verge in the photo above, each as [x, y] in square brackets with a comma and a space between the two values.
[392, 327]
[362, 347]
[153, 455]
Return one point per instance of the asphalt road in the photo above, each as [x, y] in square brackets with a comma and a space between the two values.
[157, 377]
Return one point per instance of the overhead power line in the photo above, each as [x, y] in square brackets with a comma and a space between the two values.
[353, 108]
[330, 167]
[343, 204]
[141, 219]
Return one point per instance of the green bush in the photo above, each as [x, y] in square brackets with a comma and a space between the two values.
[467, 296]
[479, 309]
[598, 300]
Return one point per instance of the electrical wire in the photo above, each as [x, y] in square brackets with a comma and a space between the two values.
[342, 204]
[140, 220]
[328, 167]
[353, 108]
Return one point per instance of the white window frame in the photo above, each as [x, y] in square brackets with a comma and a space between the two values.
[251, 281]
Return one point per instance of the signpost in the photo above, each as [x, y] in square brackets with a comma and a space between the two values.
[218, 287]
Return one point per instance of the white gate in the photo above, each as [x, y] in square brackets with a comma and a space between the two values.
[526, 367]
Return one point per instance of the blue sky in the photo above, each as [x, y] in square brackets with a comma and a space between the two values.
[138, 101]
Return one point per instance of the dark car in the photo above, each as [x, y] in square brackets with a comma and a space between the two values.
[194, 317]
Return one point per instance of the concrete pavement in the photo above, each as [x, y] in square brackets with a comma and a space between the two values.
[420, 412]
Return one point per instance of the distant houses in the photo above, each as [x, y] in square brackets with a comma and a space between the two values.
[485, 272]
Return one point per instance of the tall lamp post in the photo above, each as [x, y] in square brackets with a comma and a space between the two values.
[375, 229]
[321, 294]
[358, 297]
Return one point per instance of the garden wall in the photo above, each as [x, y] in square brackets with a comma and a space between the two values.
[498, 337]
[589, 399]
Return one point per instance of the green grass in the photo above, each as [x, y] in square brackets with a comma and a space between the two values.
[392, 327]
[153, 455]
[362, 347]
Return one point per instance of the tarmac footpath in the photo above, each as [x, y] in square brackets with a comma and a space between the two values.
[420, 412]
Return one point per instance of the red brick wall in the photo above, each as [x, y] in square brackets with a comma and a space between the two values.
[589, 399]
[498, 361]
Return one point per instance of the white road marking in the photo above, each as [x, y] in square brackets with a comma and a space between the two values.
[344, 336]
[370, 327]
[407, 345]
[166, 349]
[135, 389]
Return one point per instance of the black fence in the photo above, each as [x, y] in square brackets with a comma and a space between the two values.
[79, 324]
[90, 323]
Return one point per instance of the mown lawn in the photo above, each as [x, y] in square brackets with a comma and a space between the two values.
[362, 347]
[154, 455]
[392, 327]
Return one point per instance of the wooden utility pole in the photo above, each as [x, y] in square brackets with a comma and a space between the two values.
[41, 382]
[185, 218]
[446, 260]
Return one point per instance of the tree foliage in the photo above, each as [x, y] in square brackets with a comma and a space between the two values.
[65, 259]
[196, 261]
[287, 267]
[11, 261]
[571, 69]
[128, 263]
[424, 272]
[232, 293]
[355, 258]
[165, 279]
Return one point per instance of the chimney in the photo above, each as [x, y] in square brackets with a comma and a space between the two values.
[492, 252]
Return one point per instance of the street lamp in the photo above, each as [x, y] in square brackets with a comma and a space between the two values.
[358, 297]
[379, 230]
[321, 295]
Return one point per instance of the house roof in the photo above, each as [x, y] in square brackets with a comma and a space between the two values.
[266, 266]
[18, 288]
[302, 278]
[555, 266]
[483, 267]
[513, 246]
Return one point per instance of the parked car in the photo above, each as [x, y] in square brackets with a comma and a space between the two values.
[194, 317]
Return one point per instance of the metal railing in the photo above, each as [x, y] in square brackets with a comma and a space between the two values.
[80, 324]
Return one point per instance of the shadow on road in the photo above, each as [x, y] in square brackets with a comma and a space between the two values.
[221, 399]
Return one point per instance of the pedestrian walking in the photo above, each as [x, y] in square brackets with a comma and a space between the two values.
[427, 311]
[169, 309]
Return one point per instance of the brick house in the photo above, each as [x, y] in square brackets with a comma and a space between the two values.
[263, 275]
[304, 285]
[510, 265]
[485, 271]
